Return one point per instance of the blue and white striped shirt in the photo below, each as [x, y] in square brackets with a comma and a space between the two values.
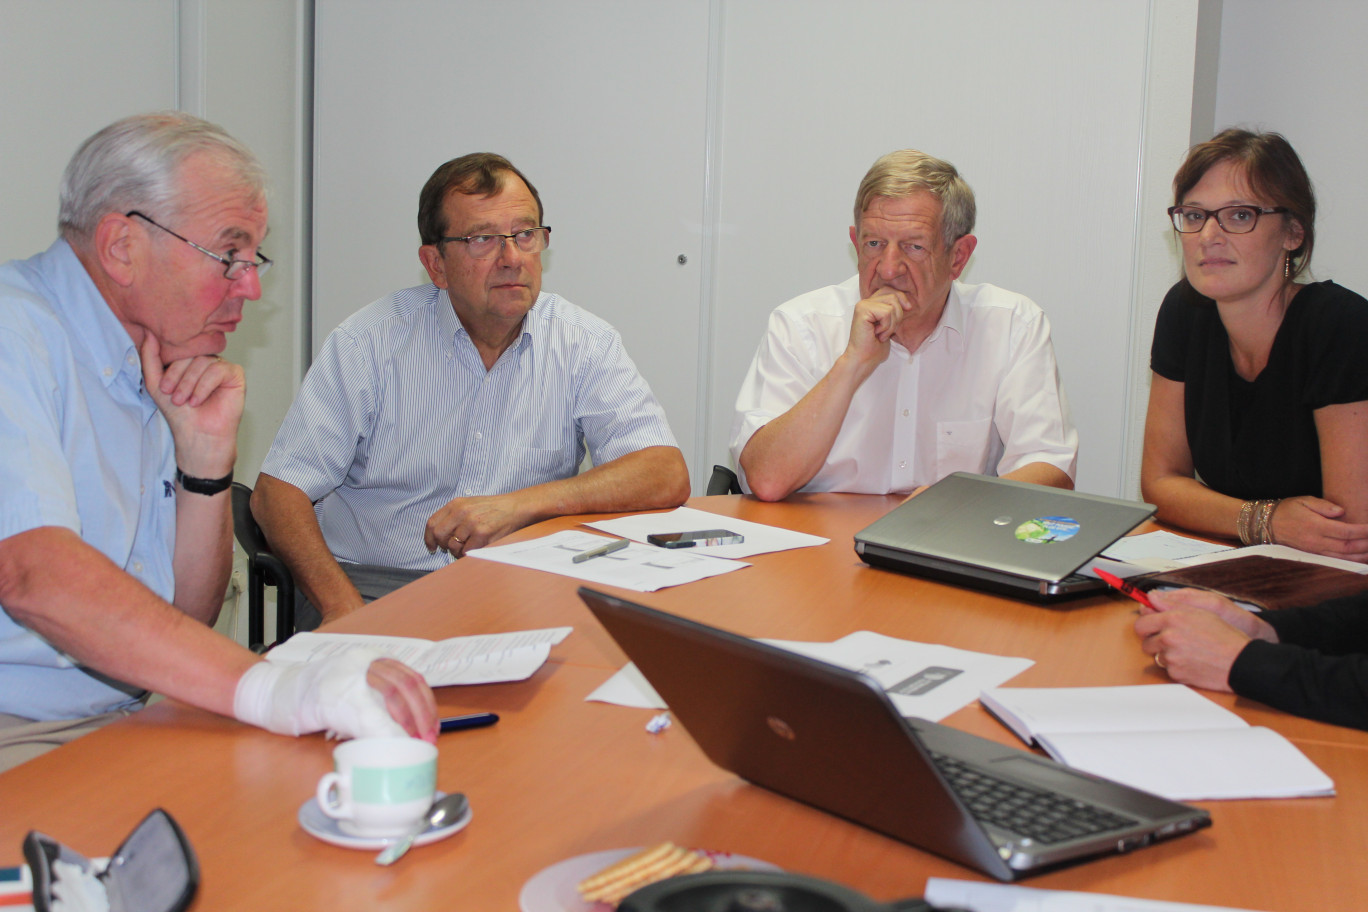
[398, 415]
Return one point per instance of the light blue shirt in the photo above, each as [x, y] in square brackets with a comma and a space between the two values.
[83, 447]
[398, 416]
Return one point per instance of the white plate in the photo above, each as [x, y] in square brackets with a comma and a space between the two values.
[320, 825]
[553, 889]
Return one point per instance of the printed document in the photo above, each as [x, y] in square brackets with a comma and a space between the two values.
[483, 659]
[644, 568]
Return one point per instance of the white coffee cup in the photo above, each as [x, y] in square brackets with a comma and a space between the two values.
[381, 786]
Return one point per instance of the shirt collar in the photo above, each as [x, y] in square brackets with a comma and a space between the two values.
[88, 315]
[451, 327]
[951, 324]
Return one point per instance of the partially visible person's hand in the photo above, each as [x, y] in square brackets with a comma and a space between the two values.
[408, 698]
[1193, 645]
[354, 694]
[873, 326]
[1247, 622]
[467, 523]
[1315, 524]
[202, 399]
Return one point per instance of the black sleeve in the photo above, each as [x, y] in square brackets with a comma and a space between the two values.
[1304, 682]
[1319, 670]
[1334, 344]
[1172, 330]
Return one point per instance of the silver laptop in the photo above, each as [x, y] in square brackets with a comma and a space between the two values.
[1008, 537]
[831, 738]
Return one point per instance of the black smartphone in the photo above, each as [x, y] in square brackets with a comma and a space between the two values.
[702, 538]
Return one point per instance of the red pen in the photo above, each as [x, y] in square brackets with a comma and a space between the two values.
[1122, 586]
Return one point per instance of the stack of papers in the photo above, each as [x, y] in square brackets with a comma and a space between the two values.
[488, 659]
[1161, 738]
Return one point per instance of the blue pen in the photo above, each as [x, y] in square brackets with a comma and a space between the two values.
[473, 720]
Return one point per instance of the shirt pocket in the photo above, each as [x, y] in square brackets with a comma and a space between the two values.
[963, 446]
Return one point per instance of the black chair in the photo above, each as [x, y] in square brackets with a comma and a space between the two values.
[723, 481]
[263, 569]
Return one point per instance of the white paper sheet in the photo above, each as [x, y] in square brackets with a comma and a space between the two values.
[644, 568]
[975, 896]
[922, 679]
[1162, 738]
[1161, 550]
[760, 538]
[482, 659]
[1195, 765]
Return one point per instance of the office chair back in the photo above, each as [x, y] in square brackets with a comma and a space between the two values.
[723, 481]
[263, 569]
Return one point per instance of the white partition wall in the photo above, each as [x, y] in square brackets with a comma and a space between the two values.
[734, 134]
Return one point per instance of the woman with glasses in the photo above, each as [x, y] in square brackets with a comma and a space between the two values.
[1258, 410]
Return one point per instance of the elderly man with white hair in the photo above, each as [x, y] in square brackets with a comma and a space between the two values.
[118, 433]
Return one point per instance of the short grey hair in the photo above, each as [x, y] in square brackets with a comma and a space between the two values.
[134, 163]
[906, 171]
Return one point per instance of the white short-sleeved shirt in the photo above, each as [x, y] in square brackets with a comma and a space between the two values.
[982, 394]
[398, 415]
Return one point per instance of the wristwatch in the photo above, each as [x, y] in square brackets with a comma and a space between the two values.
[208, 486]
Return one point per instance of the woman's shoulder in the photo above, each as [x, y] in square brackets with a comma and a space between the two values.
[1331, 308]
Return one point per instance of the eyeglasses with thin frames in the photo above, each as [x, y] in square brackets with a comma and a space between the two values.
[484, 246]
[1232, 219]
[233, 269]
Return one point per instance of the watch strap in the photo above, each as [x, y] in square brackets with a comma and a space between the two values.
[208, 486]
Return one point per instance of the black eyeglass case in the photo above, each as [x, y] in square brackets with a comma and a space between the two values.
[153, 870]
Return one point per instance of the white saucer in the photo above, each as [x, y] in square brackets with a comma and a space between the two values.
[553, 889]
[320, 825]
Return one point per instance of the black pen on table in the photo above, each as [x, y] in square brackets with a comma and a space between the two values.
[471, 720]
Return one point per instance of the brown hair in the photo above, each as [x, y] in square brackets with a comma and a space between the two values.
[476, 174]
[1273, 170]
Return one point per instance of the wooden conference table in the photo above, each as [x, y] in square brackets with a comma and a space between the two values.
[559, 777]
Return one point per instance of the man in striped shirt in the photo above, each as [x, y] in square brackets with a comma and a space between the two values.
[442, 417]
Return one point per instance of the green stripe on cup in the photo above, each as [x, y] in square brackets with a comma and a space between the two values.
[394, 785]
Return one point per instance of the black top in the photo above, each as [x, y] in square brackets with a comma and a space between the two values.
[1320, 667]
[1258, 440]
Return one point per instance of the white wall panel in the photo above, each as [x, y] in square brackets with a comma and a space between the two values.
[600, 103]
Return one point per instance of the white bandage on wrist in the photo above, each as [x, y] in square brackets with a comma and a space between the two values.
[325, 694]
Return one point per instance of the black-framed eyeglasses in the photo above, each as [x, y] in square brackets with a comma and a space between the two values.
[233, 268]
[484, 246]
[1232, 219]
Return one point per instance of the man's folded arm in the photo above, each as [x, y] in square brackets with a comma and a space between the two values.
[85, 606]
[287, 519]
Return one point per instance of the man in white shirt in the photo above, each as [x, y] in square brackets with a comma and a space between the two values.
[901, 375]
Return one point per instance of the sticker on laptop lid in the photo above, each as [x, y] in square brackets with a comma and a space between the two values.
[1045, 530]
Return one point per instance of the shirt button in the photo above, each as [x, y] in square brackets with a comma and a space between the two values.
[132, 360]
[479, 436]
[904, 413]
[467, 492]
[108, 372]
[137, 567]
[902, 464]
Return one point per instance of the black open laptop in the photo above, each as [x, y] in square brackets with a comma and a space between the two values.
[1008, 537]
[831, 738]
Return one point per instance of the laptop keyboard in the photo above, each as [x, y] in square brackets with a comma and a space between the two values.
[1046, 817]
